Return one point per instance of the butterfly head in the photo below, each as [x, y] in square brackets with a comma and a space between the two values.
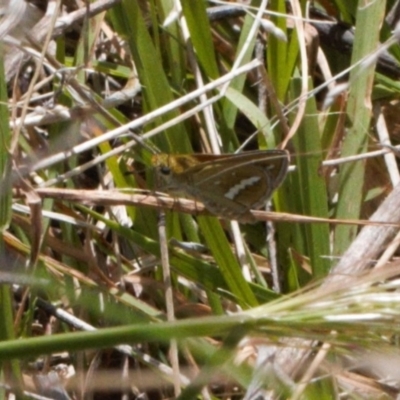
[169, 167]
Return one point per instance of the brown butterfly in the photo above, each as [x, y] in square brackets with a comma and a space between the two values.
[229, 185]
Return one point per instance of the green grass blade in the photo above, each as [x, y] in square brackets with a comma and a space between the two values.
[314, 198]
[227, 262]
[156, 89]
[6, 296]
[351, 178]
[200, 34]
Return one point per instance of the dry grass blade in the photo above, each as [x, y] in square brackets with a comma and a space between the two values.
[126, 80]
[108, 198]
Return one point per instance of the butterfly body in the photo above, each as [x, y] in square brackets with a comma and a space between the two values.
[229, 185]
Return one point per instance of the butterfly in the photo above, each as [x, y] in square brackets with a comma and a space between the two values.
[229, 185]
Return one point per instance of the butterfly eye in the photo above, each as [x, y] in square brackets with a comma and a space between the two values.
[165, 170]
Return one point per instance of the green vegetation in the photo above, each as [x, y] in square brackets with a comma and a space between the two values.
[177, 302]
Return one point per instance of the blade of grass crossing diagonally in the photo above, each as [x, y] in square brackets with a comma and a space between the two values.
[252, 112]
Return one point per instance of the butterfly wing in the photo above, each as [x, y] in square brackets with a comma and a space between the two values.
[232, 186]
